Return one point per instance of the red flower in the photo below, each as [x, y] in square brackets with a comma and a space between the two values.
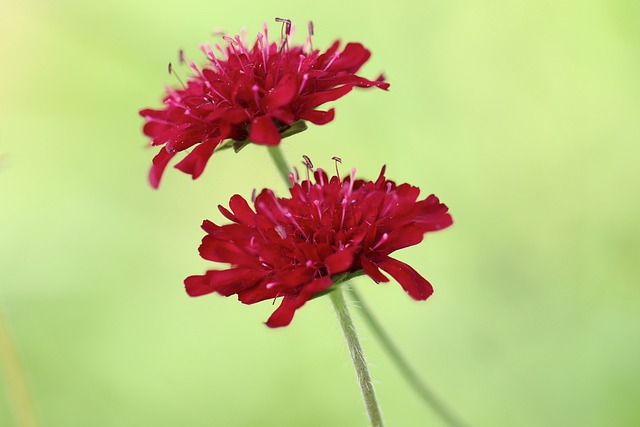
[251, 94]
[291, 247]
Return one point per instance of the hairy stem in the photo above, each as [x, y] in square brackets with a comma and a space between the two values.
[281, 163]
[401, 363]
[357, 356]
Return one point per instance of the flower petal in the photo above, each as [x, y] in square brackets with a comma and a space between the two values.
[339, 262]
[284, 313]
[282, 94]
[353, 56]
[198, 285]
[158, 166]
[224, 282]
[318, 98]
[318, 117]
[264, 131]
[241, 210]
[410, 280]
[214, 249]
[371, 270]
[196, 161]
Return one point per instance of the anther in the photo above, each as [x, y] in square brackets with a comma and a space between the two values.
[337, 160]
[172, 71]
[181, 56]
[229, 40]
[284, 33]
[309, 166]
[286, 26]
[307, 162]
[310, 29]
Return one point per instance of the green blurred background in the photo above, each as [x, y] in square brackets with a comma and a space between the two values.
[523, 116]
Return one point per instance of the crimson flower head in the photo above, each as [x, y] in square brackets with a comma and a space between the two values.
[256, 94]
[293, 247]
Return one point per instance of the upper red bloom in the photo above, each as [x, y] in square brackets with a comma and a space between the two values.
[291, 247]
[251, 93]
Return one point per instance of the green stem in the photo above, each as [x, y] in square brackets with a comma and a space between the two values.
[281, 164]
[401, 363]
[357, 356]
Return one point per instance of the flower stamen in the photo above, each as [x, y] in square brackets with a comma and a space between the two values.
[309, 42]
[285, 32]
[337, 160]
[175, 74]
[307, 164]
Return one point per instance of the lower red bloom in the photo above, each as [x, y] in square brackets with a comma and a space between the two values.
[291, 247]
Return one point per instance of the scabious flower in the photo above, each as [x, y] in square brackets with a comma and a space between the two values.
[251, 94]
[292, 247]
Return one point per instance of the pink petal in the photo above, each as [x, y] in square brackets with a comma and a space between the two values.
[407, 235]
[284, 314]
[257, 293]
[241, 210]
[227, 214]
[209, 226]
[198, 285]
[282, 94]
[351, 58]
[196, 161]
[318, 117]
[214, 249]
[340, 261]
[224, 282]
[372, 271]
[264, 131]
[318, 98]
[160, 162]
[410, 280]
[434, 214]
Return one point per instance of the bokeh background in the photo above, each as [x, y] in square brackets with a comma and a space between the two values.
[523, 116]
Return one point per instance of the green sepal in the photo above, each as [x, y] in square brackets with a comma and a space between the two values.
[294, 128]
[337, 280]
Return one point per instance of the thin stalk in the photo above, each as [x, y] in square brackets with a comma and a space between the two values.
[402, 364]
[17, 389]
[281, 163]
[348, 328]
[357, 356]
